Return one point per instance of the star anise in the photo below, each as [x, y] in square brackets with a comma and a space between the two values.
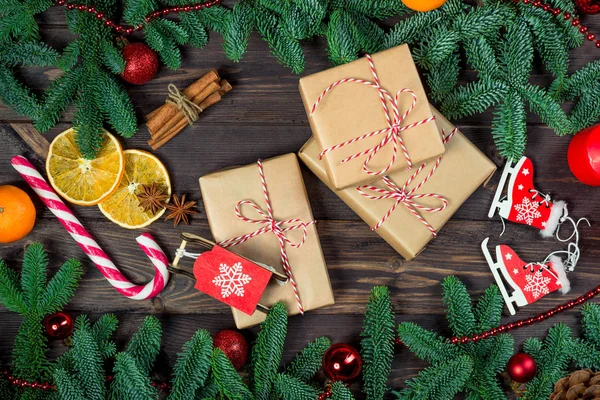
[152, 198]
[180, 210]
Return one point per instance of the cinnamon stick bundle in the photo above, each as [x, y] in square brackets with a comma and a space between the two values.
[168, 120]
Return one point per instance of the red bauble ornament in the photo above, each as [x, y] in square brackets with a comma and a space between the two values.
[234, 345]
[521, 368]
[58, 325]
[588, 6]
[342, 362]
[584, 156]
[141, 63]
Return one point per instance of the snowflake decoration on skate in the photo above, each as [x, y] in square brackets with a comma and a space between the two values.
[232, 280]
[537, 284]
[528, 211]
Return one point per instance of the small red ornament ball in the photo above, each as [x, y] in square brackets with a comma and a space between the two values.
[588, 6]
[584, 156]
[58, 325]
[234, 345]
[521, 368]
[342, 362]
[141, 63]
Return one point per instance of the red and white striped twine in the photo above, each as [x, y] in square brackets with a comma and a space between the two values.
[89, 245]
[270, 224]
[408, 198]
[393, 131]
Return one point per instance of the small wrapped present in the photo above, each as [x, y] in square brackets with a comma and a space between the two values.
[370, 117]
[407, 209]
[261, 211]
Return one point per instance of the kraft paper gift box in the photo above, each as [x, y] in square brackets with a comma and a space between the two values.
[350, 110]
[223, 190]
[462, 169]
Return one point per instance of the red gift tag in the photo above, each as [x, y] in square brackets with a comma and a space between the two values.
[231, 279]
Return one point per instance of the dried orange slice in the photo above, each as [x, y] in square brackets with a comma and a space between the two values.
[81, 181]
[123, 207]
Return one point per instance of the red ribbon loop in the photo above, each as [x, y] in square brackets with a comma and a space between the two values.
[392, 132]
[408, 198]
[270, 224]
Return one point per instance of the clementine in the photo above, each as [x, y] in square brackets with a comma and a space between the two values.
[423, 5]
[17, 214]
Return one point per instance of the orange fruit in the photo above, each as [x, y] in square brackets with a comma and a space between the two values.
[17, 214]
[81, 181]
[123, 207]
[423, 5]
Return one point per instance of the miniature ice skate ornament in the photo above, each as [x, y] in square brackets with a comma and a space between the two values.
[523, 203]
[528, 282]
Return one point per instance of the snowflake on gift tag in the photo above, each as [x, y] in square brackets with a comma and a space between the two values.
[528, 211]
[537, 284]
[232, 280]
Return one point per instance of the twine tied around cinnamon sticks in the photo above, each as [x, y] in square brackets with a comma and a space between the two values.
[179, 100]
[181, 107]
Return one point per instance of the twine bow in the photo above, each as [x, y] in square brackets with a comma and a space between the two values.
[408, 197]
[278, 228]
[178, 99]
[392, 132]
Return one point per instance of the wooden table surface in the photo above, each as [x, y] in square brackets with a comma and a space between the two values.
[263, 117]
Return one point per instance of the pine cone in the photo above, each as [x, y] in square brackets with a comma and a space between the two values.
[583, 384]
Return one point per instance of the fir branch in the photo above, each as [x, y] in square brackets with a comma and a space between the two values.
[70, 56]
[367, 34]
[11, 295]
[591, 322]
[145, 344]
[33, 275]
[341, 46]
[87, 120]
[586, 111]
[192, 366]
[240, 25]
[439, 382]
[377, 345]
[15, 95]
[113, 59]
[437, 47]
[473, 98]
[411, 29]
[552, 362]
[488, 310]
[135, 11]
[509, 127]
[29, 350]
[61, 288]
[480, 55]
[500, 351]
[115, 104]
[549, 111]
[290, 388]
[267, 351]
[194, 29]
[581, 80]
[517, 54]
[308, 361]
[443, 77]
[339, 391]
[31, 53]
[87, 363]
[57, 98]
[215, 18]
[130, 383]
[460, 313]
[67, 386]
[424, 344]
[227, 379]
[282, 44]
[585, 355]
[102, 331]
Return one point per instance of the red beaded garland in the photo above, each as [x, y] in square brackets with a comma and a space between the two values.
[127, 31]
[529, 321]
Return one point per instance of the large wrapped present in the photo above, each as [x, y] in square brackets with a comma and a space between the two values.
[407, 209]
[370, 117]
[261, 211]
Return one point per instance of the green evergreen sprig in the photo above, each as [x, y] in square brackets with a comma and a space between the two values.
[33, 297]
[471, 368]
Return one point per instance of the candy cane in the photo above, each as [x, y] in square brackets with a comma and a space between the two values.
[89, 245]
